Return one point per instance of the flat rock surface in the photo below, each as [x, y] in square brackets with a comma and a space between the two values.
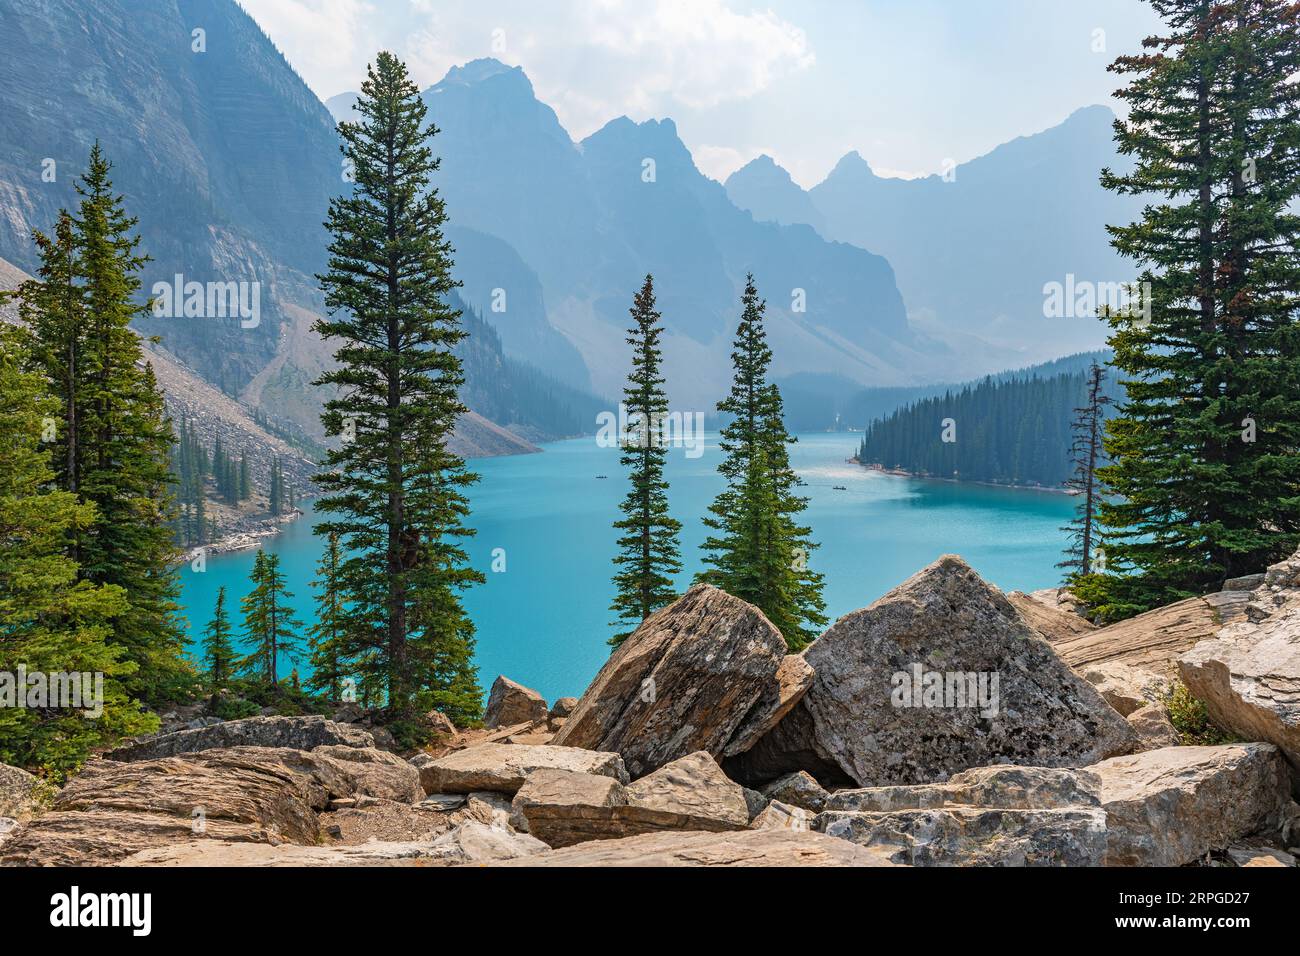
[469, 843]
[503, 767]
[1152, 641]
[261, 794]
[766, 847]
[299, 733]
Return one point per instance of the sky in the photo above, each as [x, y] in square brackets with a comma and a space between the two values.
[911, 85]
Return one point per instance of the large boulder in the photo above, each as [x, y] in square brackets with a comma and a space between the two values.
[988, 816]
[798, 789]
[21, 794]
[1003, 787]
[249, 794]
[691, 793]
[1173, 806]
[298, 733]
[1153, 727]
[782, 816]
[705, 674]
[972, 836]
[504, 767]
[1126, 687]
[562, 707]
[1165, 807]
[512, 703]
[377, 773]
[939, 675]
[1249, 679]
[772, 846]
[562, 808]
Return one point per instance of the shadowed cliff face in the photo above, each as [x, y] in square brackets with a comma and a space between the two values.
[219, 148]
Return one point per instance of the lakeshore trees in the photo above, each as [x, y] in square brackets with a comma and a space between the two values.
[758, 551]
[649, 554]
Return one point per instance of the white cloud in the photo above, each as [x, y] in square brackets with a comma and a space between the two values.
[327, 41]
[591, 60]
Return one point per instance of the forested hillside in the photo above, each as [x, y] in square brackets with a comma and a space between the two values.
[1008, 431]
[517, 395]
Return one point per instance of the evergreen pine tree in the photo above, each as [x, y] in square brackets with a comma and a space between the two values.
[50, 620]
[218, 651]
[326, 637]
[649, 554]
[117, 451]
[270, 626]
[758, 551]
[395, 493]
[1086, 451]
[1204, 482]
[245, 487]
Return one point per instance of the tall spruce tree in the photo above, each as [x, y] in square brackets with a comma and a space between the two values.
[116, 442]
[270, 626]
[1086, 453]
[1205, 480]
[326, 636]
[51, 621]
[649, 554]
[759, 551]
[395, 493]
[218, 651]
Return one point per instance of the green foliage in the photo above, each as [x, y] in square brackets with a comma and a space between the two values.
[326, 636]
[1205, 479]
[50, 620]
[114, 447]
[218, 651]
[649, 554]
[1192, 721]
[1007, 431]
[270, 627]
[758, 551]
[394, 493]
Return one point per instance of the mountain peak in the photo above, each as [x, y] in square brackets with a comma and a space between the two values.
[480, 71]
[762, 167]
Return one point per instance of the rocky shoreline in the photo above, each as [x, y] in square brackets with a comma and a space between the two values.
[702, 742]
[249, 535]
[900, 473]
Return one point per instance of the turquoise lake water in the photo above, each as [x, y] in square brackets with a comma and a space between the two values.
[544, 620]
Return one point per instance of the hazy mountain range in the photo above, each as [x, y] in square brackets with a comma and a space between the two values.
[972, 250]
[229, 160]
